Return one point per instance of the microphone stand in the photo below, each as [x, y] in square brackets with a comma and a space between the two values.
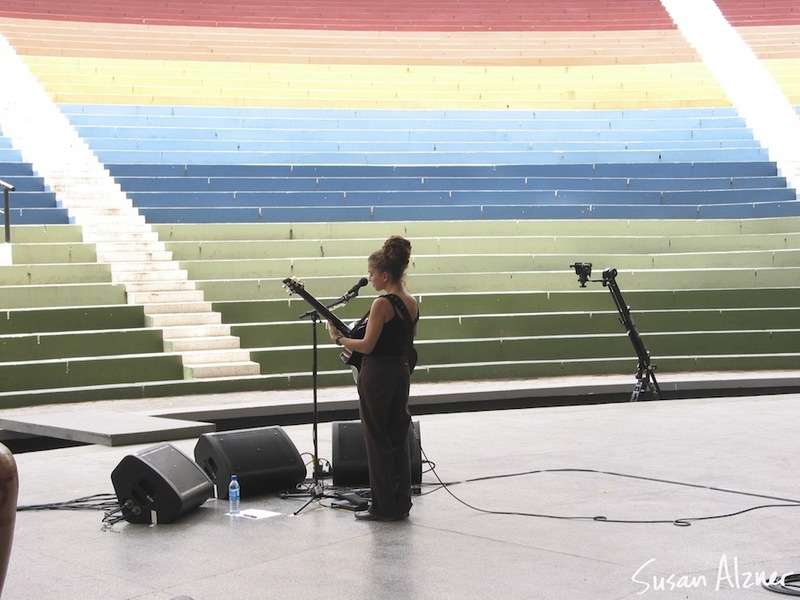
[318, 486]
[333, 305]
[318, 490]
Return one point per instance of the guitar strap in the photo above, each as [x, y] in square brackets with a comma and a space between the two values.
[361, 323]
[403, 310]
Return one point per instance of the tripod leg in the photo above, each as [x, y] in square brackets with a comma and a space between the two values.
[656, 388]
[646, 382]
[299, 510]
[637, 389]
[315, 495]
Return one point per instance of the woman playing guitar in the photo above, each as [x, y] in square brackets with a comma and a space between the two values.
[384, 381]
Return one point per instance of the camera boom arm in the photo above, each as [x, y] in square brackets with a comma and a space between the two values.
[645, 376]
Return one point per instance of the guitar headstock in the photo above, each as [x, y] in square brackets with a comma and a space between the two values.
[293, 285]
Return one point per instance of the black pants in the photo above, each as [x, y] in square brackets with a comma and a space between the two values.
[383, 389]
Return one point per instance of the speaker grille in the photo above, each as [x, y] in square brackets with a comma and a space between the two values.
[159, 484]
[349, 454]
[264, 459]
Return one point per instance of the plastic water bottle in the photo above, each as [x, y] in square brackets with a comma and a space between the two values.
[234, 493]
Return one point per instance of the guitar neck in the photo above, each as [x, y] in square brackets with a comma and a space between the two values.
[323, 311]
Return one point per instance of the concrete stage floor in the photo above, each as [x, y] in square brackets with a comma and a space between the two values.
[519, 518]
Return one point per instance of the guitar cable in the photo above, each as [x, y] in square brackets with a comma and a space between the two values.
[679, 522]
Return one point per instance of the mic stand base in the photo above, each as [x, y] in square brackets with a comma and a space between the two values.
[316, 494]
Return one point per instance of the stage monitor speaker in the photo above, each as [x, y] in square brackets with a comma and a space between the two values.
[350, 454]
[263, 459]
[159, 484]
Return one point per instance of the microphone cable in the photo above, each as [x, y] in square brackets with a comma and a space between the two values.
[108, 503]
[93, 502]
[679, 522]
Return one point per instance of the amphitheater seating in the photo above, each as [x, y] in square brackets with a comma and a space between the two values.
[585, 130]
[770, 13]
[190, 165]
[30, 202]
[771, 29]
[585, 15]
[66, 325]
[696, 309]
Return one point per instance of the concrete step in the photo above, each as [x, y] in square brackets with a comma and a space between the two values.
[182, 319]
[215, 356]
[79, 170]
[133, 256]
[124, 246]
[148, 276]
[120, 228]
[89, 208]
[98, 217]
[83, 171]
[143, 266]
[166, 297]
[89, 177]
[93, 187]
[90, 213]
[223, 370]
[227, 342]
[179, 332]
[119, 234]
[88, 198]
[158, 286]
[163, 308]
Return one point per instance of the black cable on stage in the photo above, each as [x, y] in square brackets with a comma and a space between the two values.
[93, 502]
[680, 522]
[108, 503]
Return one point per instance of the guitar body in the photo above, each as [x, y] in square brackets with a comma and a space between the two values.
[357, 331]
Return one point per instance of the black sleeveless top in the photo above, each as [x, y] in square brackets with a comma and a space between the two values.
[394, 335]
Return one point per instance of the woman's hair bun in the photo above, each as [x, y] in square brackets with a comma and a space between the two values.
[393, 257]
[397, 250]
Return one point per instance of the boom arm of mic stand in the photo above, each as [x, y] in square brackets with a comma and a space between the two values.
[331, 307]
[646, 371]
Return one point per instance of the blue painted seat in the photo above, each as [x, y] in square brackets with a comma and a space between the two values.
[31, 203]
[198, 164]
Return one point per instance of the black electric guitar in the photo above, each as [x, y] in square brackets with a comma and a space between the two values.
[296, 286]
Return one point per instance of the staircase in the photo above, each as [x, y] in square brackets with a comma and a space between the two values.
[109, 220]
[745, 79]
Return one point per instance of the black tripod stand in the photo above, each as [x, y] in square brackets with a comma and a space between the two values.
[645, 375]
[317, 490]
[319, 310]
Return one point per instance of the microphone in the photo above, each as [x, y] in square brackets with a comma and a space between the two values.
[354, 290]
[351, 293]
